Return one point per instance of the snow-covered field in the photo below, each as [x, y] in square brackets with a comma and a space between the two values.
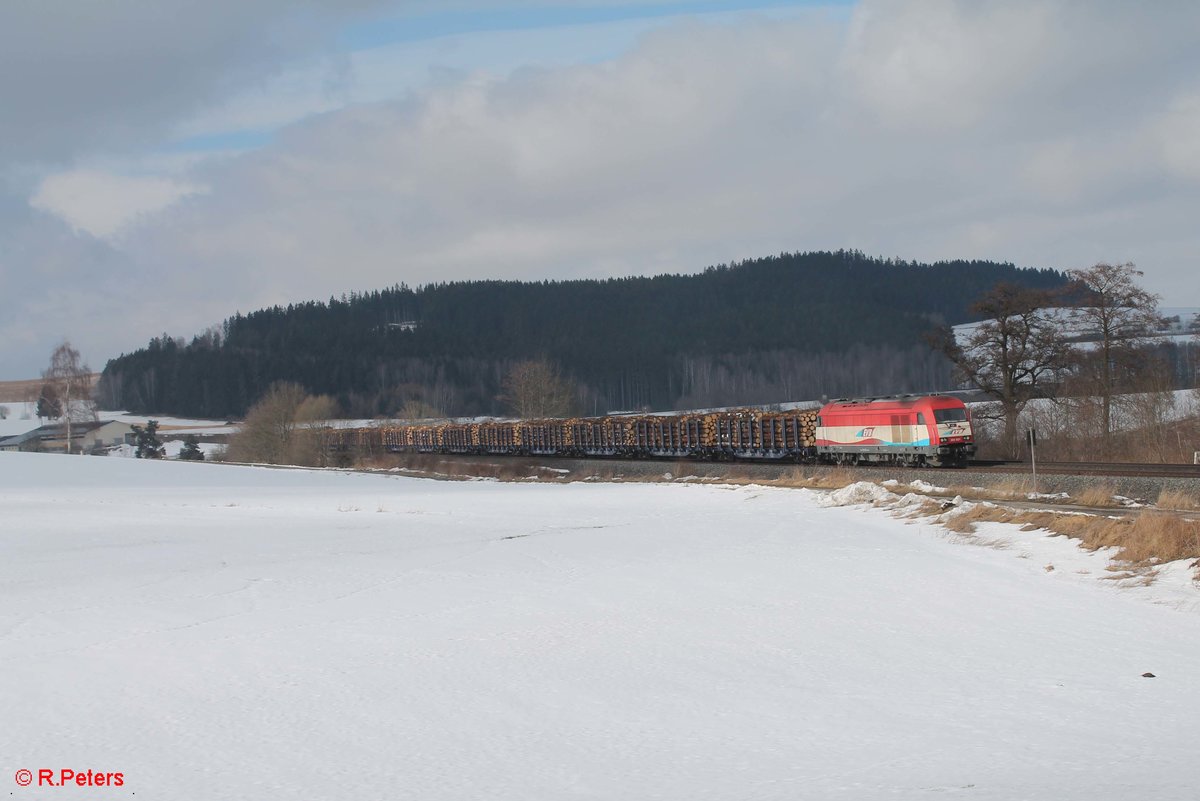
[213, 631]
[18, 419]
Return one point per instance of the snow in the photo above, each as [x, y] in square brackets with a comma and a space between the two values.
[215, 631]
[858, 492]
[1174, 584]
[1186, 329]
[20, 419]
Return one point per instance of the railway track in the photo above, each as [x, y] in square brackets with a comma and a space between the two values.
[773, 469]
[1114, 469]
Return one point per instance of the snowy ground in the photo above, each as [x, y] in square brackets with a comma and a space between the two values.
[19, 418]
[213, 631]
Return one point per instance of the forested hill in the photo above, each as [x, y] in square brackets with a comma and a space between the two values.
[786, 327]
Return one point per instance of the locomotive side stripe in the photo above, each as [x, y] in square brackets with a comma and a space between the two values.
[887, 435]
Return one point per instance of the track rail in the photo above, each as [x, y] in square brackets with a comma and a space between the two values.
[1093, 469]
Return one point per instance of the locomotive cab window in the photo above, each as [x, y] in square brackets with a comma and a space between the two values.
[920, 418]
[819, 421]
[950, 415]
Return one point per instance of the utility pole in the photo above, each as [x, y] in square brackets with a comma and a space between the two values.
[1032, 437]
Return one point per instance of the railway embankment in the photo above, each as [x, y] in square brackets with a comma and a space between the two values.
[1139, 482]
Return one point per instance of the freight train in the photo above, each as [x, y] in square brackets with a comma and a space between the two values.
[925, 430]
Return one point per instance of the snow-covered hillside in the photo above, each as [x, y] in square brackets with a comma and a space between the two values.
[223, 632]
[1180, 324]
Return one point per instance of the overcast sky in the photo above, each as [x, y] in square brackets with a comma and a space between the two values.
[166, 163]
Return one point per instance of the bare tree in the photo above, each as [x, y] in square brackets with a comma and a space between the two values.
[69, 382]
[266, 433]
[417, 409]
[29, 399]
[1013, 356]
[1150, 412]
[1120, 315]
[315, 440]
[535, 389]
[285, 426]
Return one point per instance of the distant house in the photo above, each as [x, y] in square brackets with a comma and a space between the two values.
[20, 442]
[105, 435]
[85, 437]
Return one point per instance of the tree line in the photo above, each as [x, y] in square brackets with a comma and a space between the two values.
[766, 330]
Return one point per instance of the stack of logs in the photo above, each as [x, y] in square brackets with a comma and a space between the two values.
[736, 430]
[752, 429]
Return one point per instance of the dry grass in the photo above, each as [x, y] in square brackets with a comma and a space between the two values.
[1149, 537]
[1097, 496]
[797, 477]
[1141, 540]
[926, 508]
[1031, 521]
[1178, 500]
[1011, 488]
[964, 522]
[836, 478]
[963, 490]
[1006, 490]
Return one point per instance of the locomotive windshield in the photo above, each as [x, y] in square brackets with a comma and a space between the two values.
[950, 415]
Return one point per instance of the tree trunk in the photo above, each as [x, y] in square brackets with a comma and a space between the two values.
[1012, 443]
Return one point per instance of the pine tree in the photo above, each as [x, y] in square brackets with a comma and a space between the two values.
[148, 444]
[48, 404]
[191, 449]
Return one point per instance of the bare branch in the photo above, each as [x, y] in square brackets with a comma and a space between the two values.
[1014, 355]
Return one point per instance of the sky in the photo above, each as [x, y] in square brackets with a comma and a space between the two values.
[165, 164]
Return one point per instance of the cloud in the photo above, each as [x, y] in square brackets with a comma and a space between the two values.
[1049, 134]
[944, 63]
[102, 203]
[1018, 69]
[1178, 134]
[81, 77]
[706, 142]
[548, 172]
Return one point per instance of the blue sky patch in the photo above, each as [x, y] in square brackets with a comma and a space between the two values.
[418, 27]
[217, 142]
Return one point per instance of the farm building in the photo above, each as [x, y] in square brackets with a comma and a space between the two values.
[86, 437]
